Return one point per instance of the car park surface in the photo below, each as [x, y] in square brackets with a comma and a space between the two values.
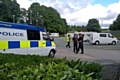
[105, 54]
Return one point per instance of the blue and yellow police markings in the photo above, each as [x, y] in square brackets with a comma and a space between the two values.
[3, 44]
[25, 44]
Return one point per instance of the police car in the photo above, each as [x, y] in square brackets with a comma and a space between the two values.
[25, 39]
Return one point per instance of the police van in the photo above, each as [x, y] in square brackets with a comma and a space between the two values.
[25, 39]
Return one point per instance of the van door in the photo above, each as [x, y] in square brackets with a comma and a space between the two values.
[110, 38]
[103, 38]
[34, 41]
[47, 44]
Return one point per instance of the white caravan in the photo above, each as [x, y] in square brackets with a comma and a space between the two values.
[25, 39]
[102, 38]
[86, 35]
[54, 34]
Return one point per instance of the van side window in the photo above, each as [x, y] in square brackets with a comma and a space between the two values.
[103, 35]
[33, 35]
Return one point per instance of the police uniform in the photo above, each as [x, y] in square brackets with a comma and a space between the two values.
[75, 39]
[68, 41]
[80, 41]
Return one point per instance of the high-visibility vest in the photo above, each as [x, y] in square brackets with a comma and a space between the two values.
[67, 39]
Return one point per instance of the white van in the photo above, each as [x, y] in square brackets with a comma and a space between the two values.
[102, 38]
[25, 39]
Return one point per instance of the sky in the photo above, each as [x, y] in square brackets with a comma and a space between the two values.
[78, 12]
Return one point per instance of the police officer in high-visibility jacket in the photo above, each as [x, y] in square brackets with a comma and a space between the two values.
[68, 41]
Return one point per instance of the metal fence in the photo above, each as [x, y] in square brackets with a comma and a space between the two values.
[116, 33]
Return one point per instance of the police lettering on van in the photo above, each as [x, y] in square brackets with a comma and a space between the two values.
[11, 34]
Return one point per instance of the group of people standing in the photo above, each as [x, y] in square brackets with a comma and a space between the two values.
[77, 43]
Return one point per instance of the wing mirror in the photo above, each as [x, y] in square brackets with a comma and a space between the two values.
[51, 38]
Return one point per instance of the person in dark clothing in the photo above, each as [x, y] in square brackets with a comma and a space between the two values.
[75, 39]
[80, 41]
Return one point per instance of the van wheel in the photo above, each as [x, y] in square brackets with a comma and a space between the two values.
[51, 54]
[113, 43]
[97, 42]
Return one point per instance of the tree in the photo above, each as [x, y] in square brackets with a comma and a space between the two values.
[23, 15]
[34, 15]
[9, 10]
[39, 15]
[73, 28]
[47, 17]
[93, 25]
[116, 24]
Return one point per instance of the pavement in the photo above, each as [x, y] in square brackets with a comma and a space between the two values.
[61, 53]
[104, 54]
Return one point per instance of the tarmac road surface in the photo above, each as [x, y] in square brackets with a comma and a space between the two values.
[105, 54]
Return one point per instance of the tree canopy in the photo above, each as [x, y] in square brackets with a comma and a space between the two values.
[36, 14]
[47, 17]
[116, 24]
[93, 25]
[8, 10]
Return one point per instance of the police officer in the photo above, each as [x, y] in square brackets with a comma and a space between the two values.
[75, 39]
[68, 41]
[80, 41]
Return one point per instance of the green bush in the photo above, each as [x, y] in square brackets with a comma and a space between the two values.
[87, 68]
[34, 67]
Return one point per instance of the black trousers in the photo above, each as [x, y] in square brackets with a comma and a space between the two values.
[80, 47]
[75, 47]
[68, 44]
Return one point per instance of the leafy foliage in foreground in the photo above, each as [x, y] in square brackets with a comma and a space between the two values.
[33, 67]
